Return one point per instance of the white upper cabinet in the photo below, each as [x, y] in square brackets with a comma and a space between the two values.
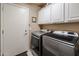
[40, 16]
[72, 12]
[44, 15]
[57, 13]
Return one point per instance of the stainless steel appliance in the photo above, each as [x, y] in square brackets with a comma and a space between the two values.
[36, 42]
[60, 43]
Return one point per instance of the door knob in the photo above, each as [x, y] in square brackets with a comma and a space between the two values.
[25, 30]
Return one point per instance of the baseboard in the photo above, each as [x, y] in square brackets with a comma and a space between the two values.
[22, 54]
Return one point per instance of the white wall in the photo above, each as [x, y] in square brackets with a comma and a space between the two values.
[34, 13]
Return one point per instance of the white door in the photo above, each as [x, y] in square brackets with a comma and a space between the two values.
[16, 27]
[57, 13]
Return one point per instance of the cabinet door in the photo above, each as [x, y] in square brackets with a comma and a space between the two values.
[44, 15]
[47, 14]
[72, 11]
[40, 16]
[57, 13]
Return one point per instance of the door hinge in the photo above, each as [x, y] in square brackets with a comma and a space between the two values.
[2, 8]
[2, 31]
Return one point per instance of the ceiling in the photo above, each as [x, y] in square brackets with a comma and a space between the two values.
[38, 4]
